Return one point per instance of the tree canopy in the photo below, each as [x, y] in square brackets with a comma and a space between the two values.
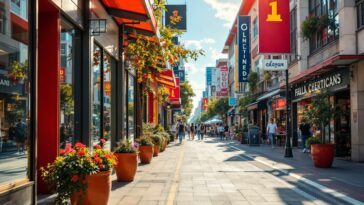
[186, 97]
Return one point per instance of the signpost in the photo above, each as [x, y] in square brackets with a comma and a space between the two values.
[274, 19]
[275, 64]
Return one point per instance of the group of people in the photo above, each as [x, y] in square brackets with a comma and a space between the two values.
[304, 127]
[222, 130]
[180, 129]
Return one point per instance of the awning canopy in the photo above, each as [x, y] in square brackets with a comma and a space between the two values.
[270, 94]
[166, 78]
[134, 15]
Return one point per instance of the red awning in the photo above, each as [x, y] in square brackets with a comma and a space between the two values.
[244, 10]
[166, 78]
[135, 15]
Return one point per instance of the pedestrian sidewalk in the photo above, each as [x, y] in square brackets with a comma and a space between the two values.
[346, 177]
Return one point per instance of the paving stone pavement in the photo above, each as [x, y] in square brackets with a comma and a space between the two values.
[205, 173]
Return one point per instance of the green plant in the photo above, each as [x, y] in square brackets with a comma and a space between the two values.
[18, 71]
[253, 81]
[313, 140]
[309, 26]
[157, 139]
[163, 94]
[66, 174]
[145, 141]
[320, 113]
[127, 146]
[267, 76]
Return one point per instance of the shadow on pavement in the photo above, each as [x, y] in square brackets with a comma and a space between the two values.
[116, 185]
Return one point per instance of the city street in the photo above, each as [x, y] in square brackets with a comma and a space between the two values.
[214, 172]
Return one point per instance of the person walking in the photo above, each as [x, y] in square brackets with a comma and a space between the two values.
[202, 131]
[198, 131]
[271, 130]
[181, 131]
[221, 131]
[174, 130]
[192, 132]
[226, 131]
[305, 129]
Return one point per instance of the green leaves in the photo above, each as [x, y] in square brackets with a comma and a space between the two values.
[186, 97]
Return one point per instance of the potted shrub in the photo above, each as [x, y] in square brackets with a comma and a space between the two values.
[127, 156]
[319, 115]
[146, 150]
[157, 141]
[80, 176]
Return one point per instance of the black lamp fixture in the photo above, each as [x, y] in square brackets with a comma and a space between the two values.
[97, 26]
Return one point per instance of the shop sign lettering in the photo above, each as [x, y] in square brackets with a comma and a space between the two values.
[318, 85]
[244, 48]
[274, 65]
[4, 82]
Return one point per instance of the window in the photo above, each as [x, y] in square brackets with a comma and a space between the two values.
[293, 35]
[67, 84]
[324, 9]
[360, 12]
[15, 136]
[255, 28]
[131, 107]
[96, 95]
[107, 99]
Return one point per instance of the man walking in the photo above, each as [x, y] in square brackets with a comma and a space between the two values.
[181, 131]
[198, 131]
[271, 130]
[305, 129]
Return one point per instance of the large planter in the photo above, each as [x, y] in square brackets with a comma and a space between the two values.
[126, 167]
[146, 154]
[97, 192]
[322, 155]
[156, 150]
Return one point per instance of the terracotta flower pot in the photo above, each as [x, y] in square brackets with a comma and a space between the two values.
[156, 150]
[146, 154]
[97, 192]
[322, 155]
[126, 167]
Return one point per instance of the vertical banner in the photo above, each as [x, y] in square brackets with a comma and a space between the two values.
[274, 20]
[174, 93]
[243, 48]
[205, 103]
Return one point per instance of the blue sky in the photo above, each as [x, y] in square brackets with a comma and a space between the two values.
[208, 24]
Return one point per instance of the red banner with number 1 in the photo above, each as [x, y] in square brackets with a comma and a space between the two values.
[274, 22]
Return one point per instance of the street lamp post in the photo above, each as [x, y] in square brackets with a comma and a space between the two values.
[288, 147]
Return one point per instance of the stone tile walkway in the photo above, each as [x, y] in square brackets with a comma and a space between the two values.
[205, 173]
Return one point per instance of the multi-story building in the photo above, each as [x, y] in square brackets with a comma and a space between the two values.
[330, 59]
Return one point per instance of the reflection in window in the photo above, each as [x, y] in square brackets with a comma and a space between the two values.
[66, 80]
[14, 93]
[107, 100]
[131, 109]
[96, 95]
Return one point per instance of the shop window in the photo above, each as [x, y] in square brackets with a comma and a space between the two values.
[96, 94]
[293, 34]
[15, 136]
[255, 28]
[324, 9]
[107, 99]
[67, 83]
[360, 12]
[131, 107]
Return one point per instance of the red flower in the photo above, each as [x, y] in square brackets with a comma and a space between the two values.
[102, 141]
[108, 156]
[81, 153]
[98, 160]
[97, 147]
[74, 178]
[62, 152]
[68, 149]
[79, 145]
[101, 166]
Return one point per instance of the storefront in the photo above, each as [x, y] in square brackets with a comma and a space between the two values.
[337, 83]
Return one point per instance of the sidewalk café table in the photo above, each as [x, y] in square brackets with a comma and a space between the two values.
[280, 138]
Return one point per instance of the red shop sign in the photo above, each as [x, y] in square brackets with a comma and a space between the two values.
[174, 93]
[279, 104]
[205, 103]
[62, 74]
[274, 23]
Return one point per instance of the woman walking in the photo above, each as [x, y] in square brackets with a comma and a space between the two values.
[181, 131]
[192, 131]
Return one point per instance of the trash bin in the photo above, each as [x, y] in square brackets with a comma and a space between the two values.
[253, 133]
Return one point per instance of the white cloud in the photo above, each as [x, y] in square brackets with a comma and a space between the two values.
[198, 44]
[215, 54]
[226, 10]
[191, 68]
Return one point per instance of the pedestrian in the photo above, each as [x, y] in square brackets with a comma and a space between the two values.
[12, 132]
[20, 128]
[202, 131]
[181, 131]
[221, 131]
[188, 128]
[174, 130]
[305, 129]
[192, 132]
[271, 130]
[198, 131]
[226, 131]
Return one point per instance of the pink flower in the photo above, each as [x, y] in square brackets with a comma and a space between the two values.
[74, 178]
[102, 141]
[97, 146]
[62, 152]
